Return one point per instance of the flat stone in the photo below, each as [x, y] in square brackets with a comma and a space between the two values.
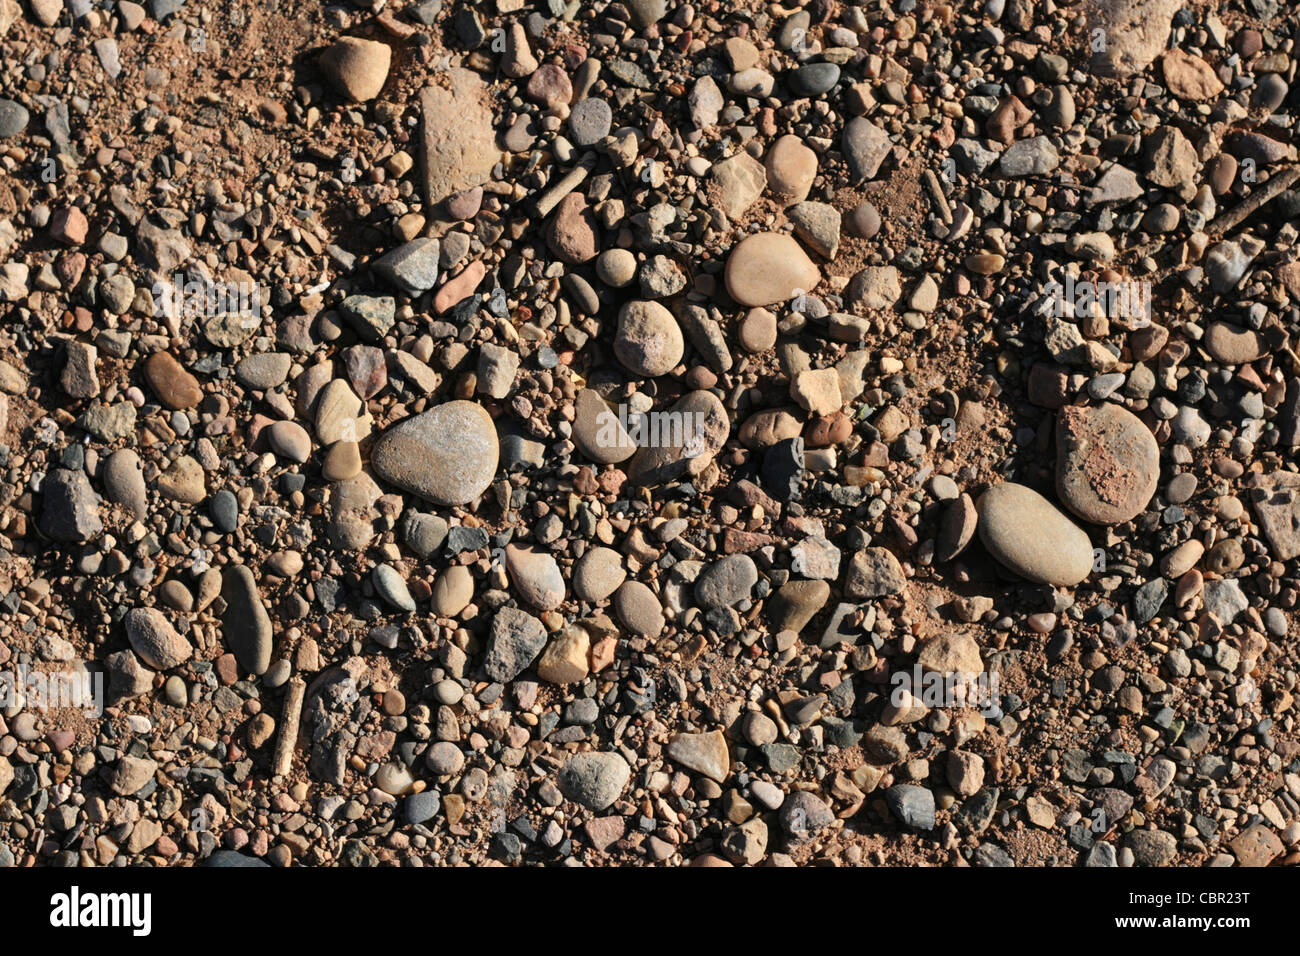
[13, 118]
[795, 604]
[803, 815]
[951, 652]
[649, 340]
[597, 431]
[768, 268]
[1230, 345]
[739, 181]
[1035, 156]
[1189, 77]
[1027, 534]
[688, 451]
[536, 576]
[726, 582]
[1152, 847]
[791, 169]
[1276, 501]
[447, 455]
[1107, 463]
[590, 121]
[706, 754]
[874, 288]
[865, 147]
[459, 138]
[184, 481]
[573, 234]
[1136, 32]
[1257, 846]
[639, 609]
[392, 587]
[598, 574]
[874, 573]
[453, 591]
[71, 507]
[124, 484]
[412, 267]
[818, 225]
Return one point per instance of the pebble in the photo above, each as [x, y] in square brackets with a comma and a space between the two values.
[1026, 533]
[791, 169]
[768, 268]
[1107, 463]
[357, 68]
[447, 455]
[536, 577]
[594, 780]
[155, 640]
[245, 624]
[649, 341]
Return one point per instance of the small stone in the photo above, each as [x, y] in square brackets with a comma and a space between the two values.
[616, 268]
[865, 146]
[706, 754]
[598, 574]
[71, 509]
[392, 588]
[514, 641]
[536, 576]
[791, 169]
[818, 225]
[357, 68]
[639, 609]
[155, 640]
[245, 624]
[649, 340]
[175, 387]
[590, 122]
[739, 182]
[550, 86]
[768, 268]
[1107, 463]
[1023, 531]
[594, 780]
[289, 440]
[573, 233]
[565, 659]
[447, 455]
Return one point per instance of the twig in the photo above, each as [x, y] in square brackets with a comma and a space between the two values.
[1272, 189]
[289, 717]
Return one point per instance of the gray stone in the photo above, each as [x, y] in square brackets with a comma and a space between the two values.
[447, 455]
[71, 509]
[594, 780]
[245, 624]
[514, 641]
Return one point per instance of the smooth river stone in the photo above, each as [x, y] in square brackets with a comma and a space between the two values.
[649, 340]
[245, 624]
[1107, 463]
[1025, 532]
[769, 268]
[447, 455]
[597, 431]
